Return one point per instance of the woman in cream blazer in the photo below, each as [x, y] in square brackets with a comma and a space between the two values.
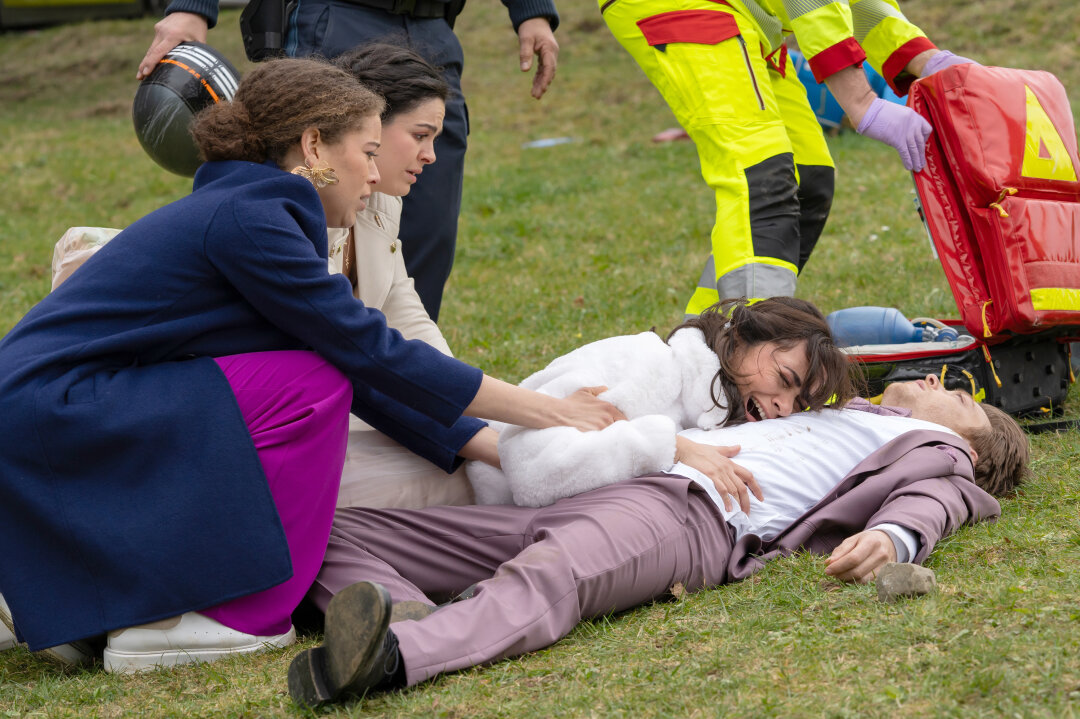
[378, 471]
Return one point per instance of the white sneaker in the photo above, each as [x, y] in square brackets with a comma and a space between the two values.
[75, 653]
[7, 637]
[191, 637]
[7, 627]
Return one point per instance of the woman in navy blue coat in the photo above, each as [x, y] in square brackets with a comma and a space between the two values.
[150, 464]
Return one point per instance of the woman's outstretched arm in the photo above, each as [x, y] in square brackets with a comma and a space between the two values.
[516, 405]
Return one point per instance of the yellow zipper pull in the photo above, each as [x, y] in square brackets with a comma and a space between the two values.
[986, 325]
[1005, 192]
[986, 354]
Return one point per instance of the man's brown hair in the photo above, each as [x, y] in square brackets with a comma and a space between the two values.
[1002, 451]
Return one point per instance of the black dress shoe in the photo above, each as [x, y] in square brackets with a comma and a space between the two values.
[358, 654]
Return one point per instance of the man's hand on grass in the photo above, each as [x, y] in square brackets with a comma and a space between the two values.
[861, 556]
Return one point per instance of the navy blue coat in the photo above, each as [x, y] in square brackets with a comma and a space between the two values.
[130, 489]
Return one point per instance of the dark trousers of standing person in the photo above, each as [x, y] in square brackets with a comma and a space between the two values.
[430, 211]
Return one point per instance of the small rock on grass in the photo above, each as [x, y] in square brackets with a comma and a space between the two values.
[904, 580]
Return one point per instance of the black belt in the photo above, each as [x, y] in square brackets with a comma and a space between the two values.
[412, 8]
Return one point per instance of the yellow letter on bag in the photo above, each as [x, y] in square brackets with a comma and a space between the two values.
[1045, 156]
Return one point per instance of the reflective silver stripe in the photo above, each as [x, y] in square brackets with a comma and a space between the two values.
[751, 280]
[757, 280]
[708, 275]
[772, 29]
[867, 14]
[217, 74]
[798, 8]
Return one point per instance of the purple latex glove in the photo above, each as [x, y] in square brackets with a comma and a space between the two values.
[900, 127]
[943, 60]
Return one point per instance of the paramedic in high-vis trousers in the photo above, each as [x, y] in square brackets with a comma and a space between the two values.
[722, 67]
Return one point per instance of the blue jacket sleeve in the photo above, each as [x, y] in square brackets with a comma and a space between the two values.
[414, 431]
[207, 8]
[522, 10]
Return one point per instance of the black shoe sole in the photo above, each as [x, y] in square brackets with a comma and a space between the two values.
[356, 623]
[307, 686]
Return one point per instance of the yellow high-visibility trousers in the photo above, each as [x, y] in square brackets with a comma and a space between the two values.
[760, 146]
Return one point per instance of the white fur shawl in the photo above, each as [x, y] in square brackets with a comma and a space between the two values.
[661, 388]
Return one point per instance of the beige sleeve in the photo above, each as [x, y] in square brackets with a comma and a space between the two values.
[405, 313]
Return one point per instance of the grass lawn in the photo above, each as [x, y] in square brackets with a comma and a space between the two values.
[558, 246]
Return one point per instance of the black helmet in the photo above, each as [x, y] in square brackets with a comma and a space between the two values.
[192, 76]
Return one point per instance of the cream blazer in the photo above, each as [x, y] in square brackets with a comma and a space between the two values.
[382, 282]
[378, 471]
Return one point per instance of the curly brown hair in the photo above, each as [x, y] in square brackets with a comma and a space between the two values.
[1003, 453]
[732, 326]
[275, 103]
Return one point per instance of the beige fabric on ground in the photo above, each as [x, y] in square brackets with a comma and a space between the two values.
[380, 473]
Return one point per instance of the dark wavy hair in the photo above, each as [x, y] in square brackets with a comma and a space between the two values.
[395, 73]
[275, 103]
[733, 326]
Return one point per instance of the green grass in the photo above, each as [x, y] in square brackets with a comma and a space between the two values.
[560, 246]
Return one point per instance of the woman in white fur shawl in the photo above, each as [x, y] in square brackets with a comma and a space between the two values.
[736, 362]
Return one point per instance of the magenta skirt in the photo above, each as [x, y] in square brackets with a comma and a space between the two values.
[296, 406]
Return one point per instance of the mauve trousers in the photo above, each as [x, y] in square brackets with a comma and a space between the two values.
[296, 406]
[539, 571]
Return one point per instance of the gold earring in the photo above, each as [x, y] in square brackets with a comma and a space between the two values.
[320, 177]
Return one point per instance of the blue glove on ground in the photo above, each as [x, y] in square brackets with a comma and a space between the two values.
[943, 60]
[898, 126]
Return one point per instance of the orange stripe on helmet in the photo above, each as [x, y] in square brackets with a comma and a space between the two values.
[196, 75]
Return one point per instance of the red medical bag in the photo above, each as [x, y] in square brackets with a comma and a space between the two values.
[1000, 198]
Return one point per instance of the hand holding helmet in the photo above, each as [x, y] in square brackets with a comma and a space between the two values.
[191, 77]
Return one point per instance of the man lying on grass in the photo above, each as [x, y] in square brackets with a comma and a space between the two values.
[869, 485]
